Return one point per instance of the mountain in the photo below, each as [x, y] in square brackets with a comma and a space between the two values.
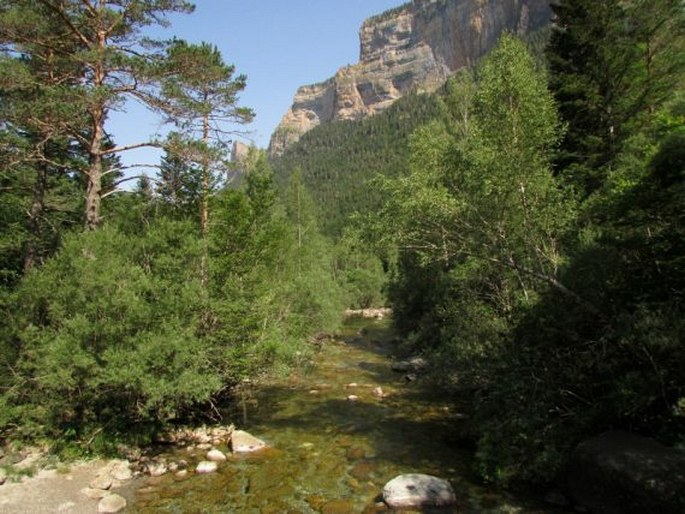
[412, 48]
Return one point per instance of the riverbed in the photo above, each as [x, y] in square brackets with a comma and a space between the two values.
[338, 430]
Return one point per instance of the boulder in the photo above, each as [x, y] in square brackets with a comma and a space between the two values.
[206, 466]
[112, 503]
[244, 442]
[416, 490]
[619, 472]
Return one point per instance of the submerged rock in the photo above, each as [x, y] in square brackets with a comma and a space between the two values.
[244, 442]
[415, 490]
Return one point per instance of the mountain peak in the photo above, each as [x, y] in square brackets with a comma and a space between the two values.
[411, 48]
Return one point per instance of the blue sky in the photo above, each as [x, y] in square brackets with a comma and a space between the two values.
[279, 44]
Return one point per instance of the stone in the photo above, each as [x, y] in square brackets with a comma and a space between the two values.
[102, 482]
[156, 469]
[182, 473]
[3, 476]
[619, 472]
[244, 442]
[206, 466]
[413, 364]
[416, 490]
[378, 392]
[216, 455]
[121, 470]
[112, 503]
[337, 507]
[94, 494]
[352, 398]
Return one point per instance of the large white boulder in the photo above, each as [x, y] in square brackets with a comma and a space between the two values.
[415, 490]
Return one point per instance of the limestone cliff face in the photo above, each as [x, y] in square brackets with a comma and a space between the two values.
[414, 47]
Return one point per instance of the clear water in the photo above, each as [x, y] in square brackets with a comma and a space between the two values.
[329, 454]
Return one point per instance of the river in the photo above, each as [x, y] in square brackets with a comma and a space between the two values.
[331, 453]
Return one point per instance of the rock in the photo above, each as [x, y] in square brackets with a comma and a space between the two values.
[620, 472]
[94, 494]
[3, 476]
[413, 364]
[182, 473]
[156, 469]
[204, 446]
[337, 507]
[102, 482]
[352, 398]
[378, 392]
[244, 442]
[216, 455]
[411, 48]
[112, 503]
[206, 466]
[121, 470]
[415, 490]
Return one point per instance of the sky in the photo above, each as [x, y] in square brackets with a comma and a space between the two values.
[279, 44]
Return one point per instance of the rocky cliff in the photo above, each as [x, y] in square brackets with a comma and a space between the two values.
[414, 47]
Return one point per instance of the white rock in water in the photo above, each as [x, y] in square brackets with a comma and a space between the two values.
[243, 442]
[112, 503]
[216, 455]
[206, 466]
[415, 490]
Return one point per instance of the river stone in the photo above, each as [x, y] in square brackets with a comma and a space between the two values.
[156, 469]
[102, 482]
[121, 470]
[94, 494]
[112, 503]
[216, 455]
[206, 466]
[244, 442]
[415, 490]
[414, 364]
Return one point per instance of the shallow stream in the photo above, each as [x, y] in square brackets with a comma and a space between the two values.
[330, 454]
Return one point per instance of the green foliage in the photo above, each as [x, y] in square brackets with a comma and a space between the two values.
[105, 335]
[338, 160]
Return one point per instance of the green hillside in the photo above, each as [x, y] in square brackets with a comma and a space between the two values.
[339, 159]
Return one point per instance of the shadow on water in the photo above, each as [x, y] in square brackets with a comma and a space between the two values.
[338, 434]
